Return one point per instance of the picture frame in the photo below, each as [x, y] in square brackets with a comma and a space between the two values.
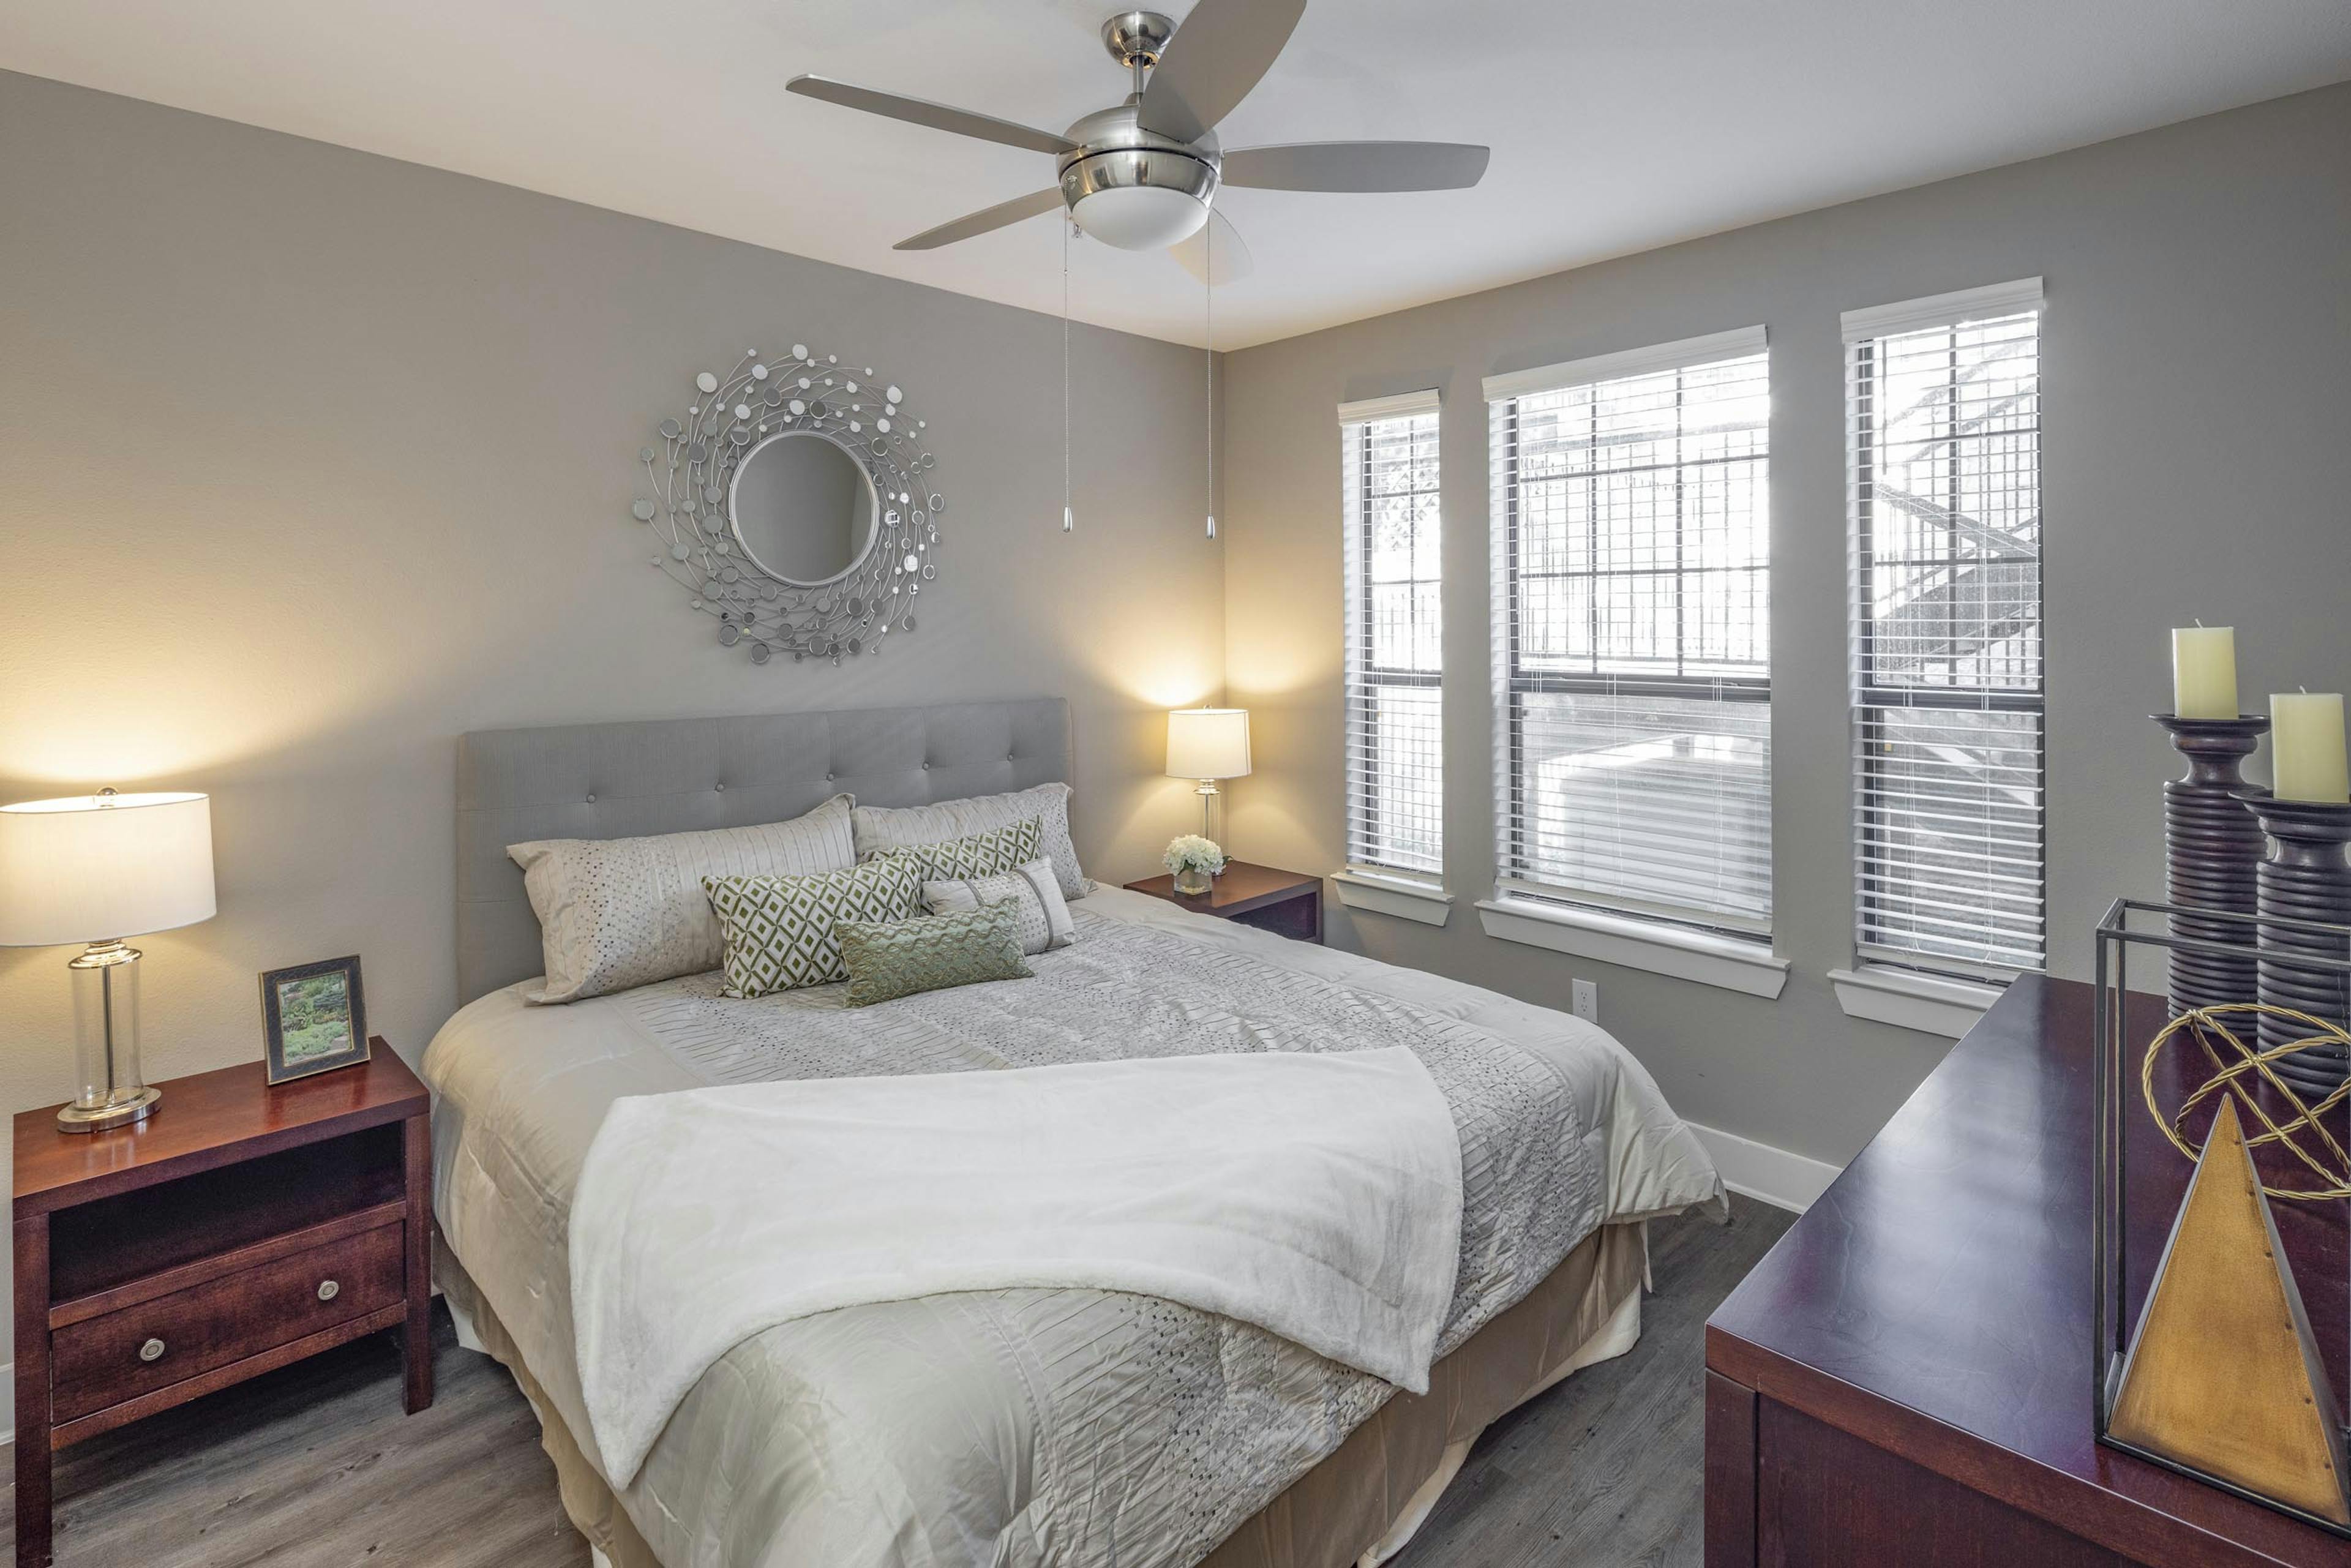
[313, 1018]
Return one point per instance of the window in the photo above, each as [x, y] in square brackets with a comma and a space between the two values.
[1943, 401]
[1632, 636]
[1395, 665]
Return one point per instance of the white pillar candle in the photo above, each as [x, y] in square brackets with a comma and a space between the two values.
[2306, 747]
[2204, 671]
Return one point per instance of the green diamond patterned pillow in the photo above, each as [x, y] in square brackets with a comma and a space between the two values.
[931, 953]
[991, 853]
[780, 930]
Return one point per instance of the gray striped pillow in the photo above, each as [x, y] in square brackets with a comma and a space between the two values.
[1032, 891]
[617, 912]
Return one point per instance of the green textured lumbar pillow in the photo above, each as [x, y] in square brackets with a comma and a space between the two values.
[991, 853]
[780, 931]
[931, 953]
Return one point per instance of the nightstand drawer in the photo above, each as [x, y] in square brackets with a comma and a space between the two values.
[152, 1344]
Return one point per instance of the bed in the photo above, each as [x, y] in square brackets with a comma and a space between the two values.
[1006, 1426]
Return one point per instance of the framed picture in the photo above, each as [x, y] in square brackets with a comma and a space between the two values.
[313, 1018]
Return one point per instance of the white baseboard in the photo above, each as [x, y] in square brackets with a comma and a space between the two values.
[1765, 1174]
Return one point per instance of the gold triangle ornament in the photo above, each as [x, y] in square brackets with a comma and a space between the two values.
[2223, 1376]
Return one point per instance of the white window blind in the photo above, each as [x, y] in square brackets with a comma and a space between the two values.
[1943, 408]
[1632, 636]
[1395, 635]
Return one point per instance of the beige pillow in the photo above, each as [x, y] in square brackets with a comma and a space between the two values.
[617, 912]
[879, 828]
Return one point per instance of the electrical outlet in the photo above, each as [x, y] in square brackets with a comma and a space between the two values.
[1586, 995]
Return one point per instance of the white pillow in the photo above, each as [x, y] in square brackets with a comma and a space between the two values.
[879, 828]
[617, 912]
[1044, 918]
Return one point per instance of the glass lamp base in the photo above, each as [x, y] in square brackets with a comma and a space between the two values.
[113, 1092]
[133, 1107]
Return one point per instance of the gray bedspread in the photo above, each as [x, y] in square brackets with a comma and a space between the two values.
[1027, 1426]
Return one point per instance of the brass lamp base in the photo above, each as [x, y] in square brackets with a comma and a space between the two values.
[121, 1113]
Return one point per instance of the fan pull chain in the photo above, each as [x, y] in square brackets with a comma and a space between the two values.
[1069, 517]
[1209, 352]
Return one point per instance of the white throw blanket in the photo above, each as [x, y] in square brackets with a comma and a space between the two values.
[1318, 1196]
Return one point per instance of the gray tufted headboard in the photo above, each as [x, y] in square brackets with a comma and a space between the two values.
[670, 776]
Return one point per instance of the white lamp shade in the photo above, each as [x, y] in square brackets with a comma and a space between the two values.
[92, 867]
[1207, 742]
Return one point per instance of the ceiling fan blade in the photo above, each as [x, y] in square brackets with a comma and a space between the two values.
[982, 221]
[1357, 166]
[1220, 52]
[1226, 260]
[938, 116]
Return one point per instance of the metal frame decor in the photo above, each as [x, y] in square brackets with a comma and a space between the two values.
[2160, 1076]
[691, 469]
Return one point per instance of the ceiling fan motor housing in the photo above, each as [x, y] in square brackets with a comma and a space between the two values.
[1131, 188]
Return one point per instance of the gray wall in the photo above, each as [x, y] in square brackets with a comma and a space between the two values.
[313, 460]
[2197, 376]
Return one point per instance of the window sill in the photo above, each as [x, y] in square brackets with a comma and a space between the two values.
[1399, 896]
[1729, 962]
[1927, 1003]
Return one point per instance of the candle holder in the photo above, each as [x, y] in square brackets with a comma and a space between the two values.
[2305, 877]
[2212, 849]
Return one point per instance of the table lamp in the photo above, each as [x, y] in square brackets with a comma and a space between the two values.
[96, 869]
[1207, 744]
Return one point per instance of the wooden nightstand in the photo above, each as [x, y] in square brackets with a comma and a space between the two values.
[1282, 902]
[238, 1228]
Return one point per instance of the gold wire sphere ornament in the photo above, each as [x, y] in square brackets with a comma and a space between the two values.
[2203, 1024]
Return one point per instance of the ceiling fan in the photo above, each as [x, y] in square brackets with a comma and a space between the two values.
[1143, 174]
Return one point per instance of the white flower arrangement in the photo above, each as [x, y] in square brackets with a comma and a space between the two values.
[1190, 851]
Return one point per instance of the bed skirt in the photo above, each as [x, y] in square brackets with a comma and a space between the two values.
[1360, 1505]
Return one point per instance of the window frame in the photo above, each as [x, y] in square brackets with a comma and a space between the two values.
[1514, 685]
[1864, 332]
[1359, 610]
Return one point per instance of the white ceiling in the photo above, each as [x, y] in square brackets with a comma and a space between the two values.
[1617, 124]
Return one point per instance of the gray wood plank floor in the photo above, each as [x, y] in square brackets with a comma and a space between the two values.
[1608, 1470]
[315, 1467]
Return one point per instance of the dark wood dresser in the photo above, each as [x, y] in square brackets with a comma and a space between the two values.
[1905, 1379]
[239, 1229]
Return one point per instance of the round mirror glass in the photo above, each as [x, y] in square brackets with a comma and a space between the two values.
[802, 509]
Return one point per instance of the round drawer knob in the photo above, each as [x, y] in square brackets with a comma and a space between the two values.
[328, 1290]
[152, 1351]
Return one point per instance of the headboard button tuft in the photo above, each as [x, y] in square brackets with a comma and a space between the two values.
[719, 786]
[592, 797]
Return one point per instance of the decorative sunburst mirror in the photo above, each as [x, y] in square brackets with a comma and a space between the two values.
[793, 500]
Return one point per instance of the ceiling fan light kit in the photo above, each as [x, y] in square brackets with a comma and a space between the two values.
[1138, 200]
[1143, 174]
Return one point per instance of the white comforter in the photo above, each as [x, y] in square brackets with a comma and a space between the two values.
[1316, 1196]
[1013, 1427]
